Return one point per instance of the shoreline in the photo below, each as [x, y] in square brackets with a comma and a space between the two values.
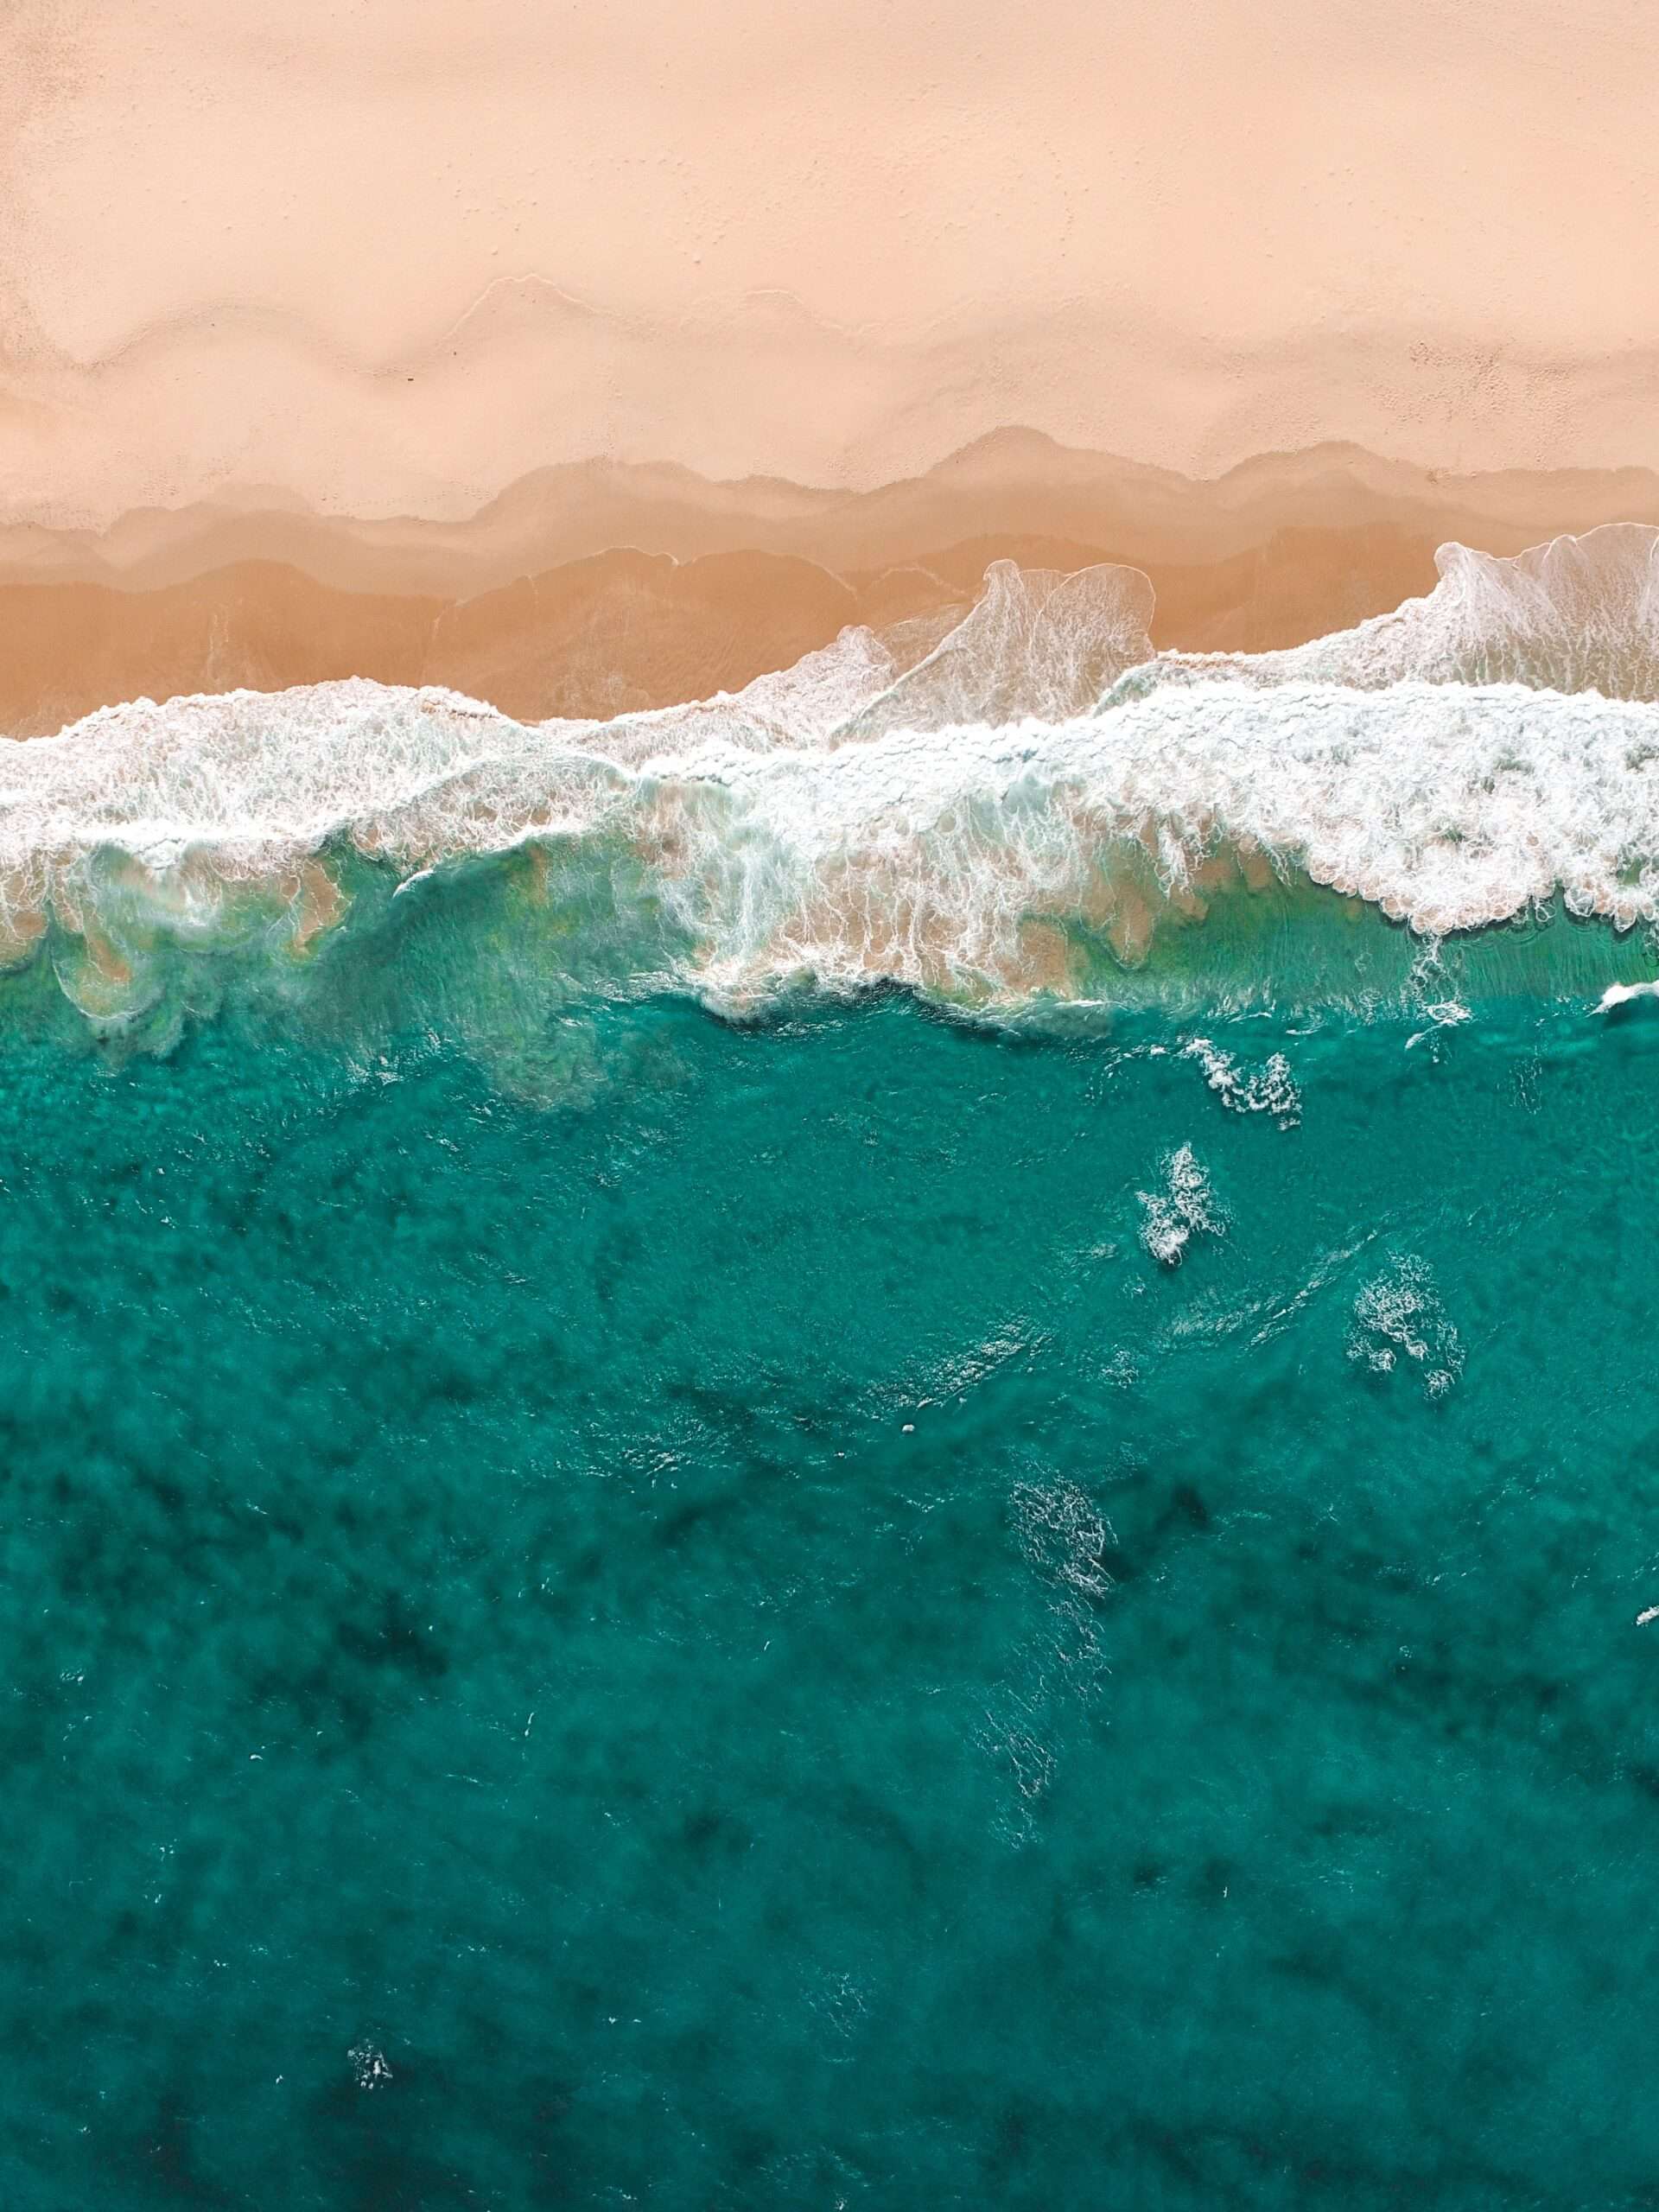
[605, 589]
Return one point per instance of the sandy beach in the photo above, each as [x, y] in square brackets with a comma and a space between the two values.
[584, 357]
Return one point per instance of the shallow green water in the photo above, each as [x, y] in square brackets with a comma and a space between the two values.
[734, 1639]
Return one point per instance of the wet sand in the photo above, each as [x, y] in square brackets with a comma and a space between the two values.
[595, 591]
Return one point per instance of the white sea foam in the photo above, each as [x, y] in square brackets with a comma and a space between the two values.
[863, 815]
[1186, 1207]
[1443, 1014]
[1065, 1533]
[1038, 645]
[368, 2066]
[1269, 1088]
[1577, 615]
[1399, 1314]
[924, 856]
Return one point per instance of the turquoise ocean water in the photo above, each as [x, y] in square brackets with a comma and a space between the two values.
[756, 1463]
[735, 1638]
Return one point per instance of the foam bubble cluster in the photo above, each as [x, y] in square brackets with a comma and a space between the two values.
[1186, 1207]
[1399, 1316]
[1269, 1088]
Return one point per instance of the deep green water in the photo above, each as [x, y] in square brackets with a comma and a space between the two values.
[731, 1639]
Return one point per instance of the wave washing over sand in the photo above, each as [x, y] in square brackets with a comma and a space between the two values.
[1579, 613]
[1015, 808]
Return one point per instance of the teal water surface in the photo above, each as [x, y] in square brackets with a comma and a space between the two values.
[732, 1638]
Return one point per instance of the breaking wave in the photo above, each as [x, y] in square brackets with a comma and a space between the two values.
[1023, 804]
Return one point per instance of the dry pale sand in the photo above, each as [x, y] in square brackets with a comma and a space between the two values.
[393, 256]
[391, 338]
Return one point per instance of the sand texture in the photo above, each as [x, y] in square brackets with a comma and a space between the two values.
[426, 338]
